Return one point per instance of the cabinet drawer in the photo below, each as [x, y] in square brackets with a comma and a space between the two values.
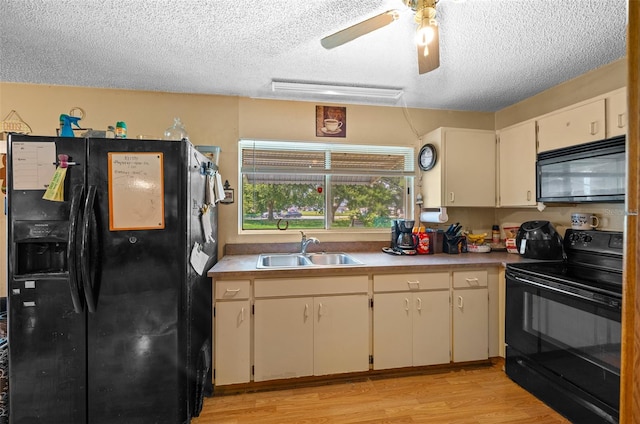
[411, 282]
[311, 286]
[232, 290]
[462, 279]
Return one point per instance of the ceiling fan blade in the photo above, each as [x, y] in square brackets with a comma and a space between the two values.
[432, 60]
[344, 36]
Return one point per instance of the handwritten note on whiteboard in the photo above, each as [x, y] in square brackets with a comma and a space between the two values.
[136, 191]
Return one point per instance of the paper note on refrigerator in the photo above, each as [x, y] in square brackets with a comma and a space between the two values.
[33, 164]
[198, 258]
[136, 191]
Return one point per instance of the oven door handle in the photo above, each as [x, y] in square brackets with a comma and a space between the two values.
[614, 304]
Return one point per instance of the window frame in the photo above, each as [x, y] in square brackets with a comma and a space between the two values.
[404, 167]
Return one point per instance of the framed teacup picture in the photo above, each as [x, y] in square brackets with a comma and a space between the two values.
[331, 121]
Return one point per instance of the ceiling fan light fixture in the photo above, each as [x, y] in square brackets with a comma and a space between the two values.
[336, 90]
[426, 32]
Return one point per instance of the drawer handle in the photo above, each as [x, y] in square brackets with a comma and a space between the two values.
[620, 121]
[232, 290]
[473, 281]
[528, 195]
[418, 304]
[460, 302]
[594, 128]
[406, 304]
[414, 284]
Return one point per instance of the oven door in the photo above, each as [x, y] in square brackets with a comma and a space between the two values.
[567, 332]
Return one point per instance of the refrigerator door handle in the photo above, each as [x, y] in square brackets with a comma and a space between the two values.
[85, 253]
[74, 216]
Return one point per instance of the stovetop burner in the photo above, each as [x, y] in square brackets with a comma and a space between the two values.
[593, 261]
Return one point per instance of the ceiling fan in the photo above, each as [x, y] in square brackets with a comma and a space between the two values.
[427, 36]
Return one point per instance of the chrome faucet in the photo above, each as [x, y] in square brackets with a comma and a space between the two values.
[306, 242]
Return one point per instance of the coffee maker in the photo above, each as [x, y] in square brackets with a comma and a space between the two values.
[407, 241]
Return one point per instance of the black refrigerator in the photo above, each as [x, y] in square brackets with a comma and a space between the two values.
[109, 306]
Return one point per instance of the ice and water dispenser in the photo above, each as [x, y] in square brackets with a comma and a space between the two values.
[40, 247]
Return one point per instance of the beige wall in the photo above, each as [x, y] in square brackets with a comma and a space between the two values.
[222, 120]
[594, 83]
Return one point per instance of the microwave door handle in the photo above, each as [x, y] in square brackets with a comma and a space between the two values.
[85, 261]
[72, 253]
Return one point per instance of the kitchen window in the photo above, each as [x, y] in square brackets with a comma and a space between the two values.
[340, 187]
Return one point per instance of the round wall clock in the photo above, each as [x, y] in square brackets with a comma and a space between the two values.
[427, 157]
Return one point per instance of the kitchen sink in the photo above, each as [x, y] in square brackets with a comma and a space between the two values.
[309, 260]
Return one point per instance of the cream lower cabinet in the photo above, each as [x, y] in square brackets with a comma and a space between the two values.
[470, 316]
[310, 326]
[232, 332]
[411, 325]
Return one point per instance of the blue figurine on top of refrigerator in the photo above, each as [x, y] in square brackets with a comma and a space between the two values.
[108, 300]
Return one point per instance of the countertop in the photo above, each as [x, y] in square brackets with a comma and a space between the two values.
[244, 266]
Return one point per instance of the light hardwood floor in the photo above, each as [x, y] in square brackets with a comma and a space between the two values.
[472, 395]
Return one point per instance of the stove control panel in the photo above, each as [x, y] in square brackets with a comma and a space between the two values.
[592, 241]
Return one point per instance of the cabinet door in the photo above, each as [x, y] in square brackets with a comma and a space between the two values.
[431, 328]
[283, 338]
[570, 127]
[341, 334]
[232, 342]
[470, 324]
[517, 162]
[470, 168]
[617, 116]
[392, 330]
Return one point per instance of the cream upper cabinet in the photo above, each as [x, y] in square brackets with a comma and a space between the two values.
[411, 320]
[617, 116]
[464, 173]
[470, 316]
[573, 126]
[517, 165]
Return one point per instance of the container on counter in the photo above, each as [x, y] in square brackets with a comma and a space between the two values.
[495, 234]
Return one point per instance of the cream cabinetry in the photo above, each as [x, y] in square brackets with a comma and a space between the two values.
[617, 116]
[464, 174]
[517, 165]
[310, 326]
[569, 127]
[411, 320]
[232, 331]
[470, 315]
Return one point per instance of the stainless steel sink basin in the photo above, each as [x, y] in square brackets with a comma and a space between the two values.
[333, 259]
[309, 260]
[284, 260]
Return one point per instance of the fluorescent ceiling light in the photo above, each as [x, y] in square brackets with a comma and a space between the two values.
[336, 90]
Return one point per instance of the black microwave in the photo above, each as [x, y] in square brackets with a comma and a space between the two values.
[590, 172]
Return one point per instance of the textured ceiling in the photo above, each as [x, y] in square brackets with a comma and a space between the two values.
[493, 53]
